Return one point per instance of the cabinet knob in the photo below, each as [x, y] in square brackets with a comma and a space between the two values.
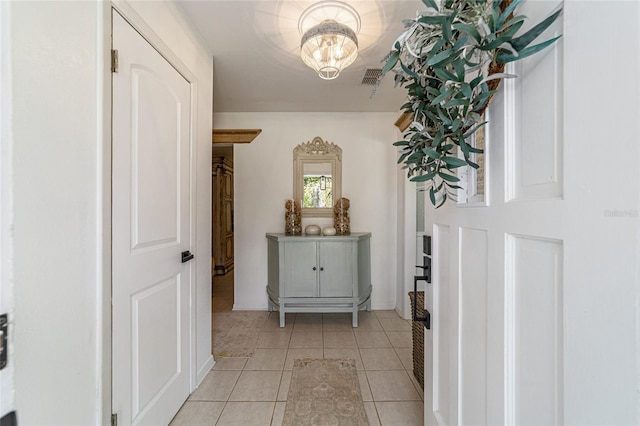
[314, 268]
[321, 268]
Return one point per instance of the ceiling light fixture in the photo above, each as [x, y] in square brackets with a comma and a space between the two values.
[329, 43]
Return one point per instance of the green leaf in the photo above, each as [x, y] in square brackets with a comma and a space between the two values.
[493, 44]
[483, 95]
[448, 178]
[505, 56]
[447, 61]
[457, 123]
[432, 91]
[458, 66]
[436, 47]
[391, 62]
[465, 89]
[432, 196]
[468, 29]
[446, 28]
[409, 71]
[464, 146]
[430, 3]
[416, 157]
[476, 81]
[447, 94]
[525, 39]
[431, 19]
[510, 32]
[423, 178]
[474, 129]
[440, 57]
[455, 102]
[454, 162]
[453, 186]
[444, 75]
[493, 18]
[507, 11]
[401, 143]
[468, 149]
[444, 119]
[431, 153]
[438, 137]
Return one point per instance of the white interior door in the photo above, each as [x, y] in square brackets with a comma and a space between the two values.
[534, 294]
[151, 286]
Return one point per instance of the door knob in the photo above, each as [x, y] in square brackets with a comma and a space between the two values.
[186, 256]
[314, 268]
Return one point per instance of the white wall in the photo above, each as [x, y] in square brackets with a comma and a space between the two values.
[263, 173]
[7, 396]
[61, 160]
[58, 289]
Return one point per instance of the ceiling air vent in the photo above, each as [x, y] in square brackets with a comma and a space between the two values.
[371, 76]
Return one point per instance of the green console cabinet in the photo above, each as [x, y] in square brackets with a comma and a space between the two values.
[313, 273]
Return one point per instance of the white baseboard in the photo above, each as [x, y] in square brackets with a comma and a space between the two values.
[383, 307]
[376, 307]
[250, 308]
[204, 370]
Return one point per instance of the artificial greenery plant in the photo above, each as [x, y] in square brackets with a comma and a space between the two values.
[451, 59]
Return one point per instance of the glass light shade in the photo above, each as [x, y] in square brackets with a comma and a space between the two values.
[328, 48]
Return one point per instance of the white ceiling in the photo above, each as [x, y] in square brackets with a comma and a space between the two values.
[257, 67]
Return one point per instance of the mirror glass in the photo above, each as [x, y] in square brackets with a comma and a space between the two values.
[317, 171]
[317, 185]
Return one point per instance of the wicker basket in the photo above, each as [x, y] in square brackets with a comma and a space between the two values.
[418, 340]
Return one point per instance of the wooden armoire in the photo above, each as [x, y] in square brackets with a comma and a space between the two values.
[222, 218]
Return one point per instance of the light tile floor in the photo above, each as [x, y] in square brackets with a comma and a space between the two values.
[253, 391]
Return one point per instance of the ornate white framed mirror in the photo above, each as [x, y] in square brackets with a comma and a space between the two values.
[317, 177]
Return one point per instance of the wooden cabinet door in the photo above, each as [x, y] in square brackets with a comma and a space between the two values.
[222, 217]
[227, 222]
[301, 269]
[336, 269]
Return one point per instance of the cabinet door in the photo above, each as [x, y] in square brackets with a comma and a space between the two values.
[301, 269]
[336, 263]
[227, 230]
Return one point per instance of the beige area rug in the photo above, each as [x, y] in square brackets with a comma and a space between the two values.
[235, 334]
[324, 392]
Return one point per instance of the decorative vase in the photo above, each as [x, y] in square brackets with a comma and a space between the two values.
[329, 230]
[341, 216]
[292, 218]
[312, 230]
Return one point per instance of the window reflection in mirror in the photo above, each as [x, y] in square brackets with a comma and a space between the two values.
[317, 176]
[317, 185]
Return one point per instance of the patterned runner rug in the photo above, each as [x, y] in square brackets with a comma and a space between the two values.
[324, 392]
[235, 334]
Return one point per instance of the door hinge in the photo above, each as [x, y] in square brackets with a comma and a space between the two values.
[114, 60]
[114, 420]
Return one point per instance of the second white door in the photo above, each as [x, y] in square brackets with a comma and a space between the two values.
[151, 228]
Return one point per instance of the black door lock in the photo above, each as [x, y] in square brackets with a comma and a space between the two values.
[186, 256]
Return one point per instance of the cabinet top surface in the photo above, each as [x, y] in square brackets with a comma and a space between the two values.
[304, 237]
